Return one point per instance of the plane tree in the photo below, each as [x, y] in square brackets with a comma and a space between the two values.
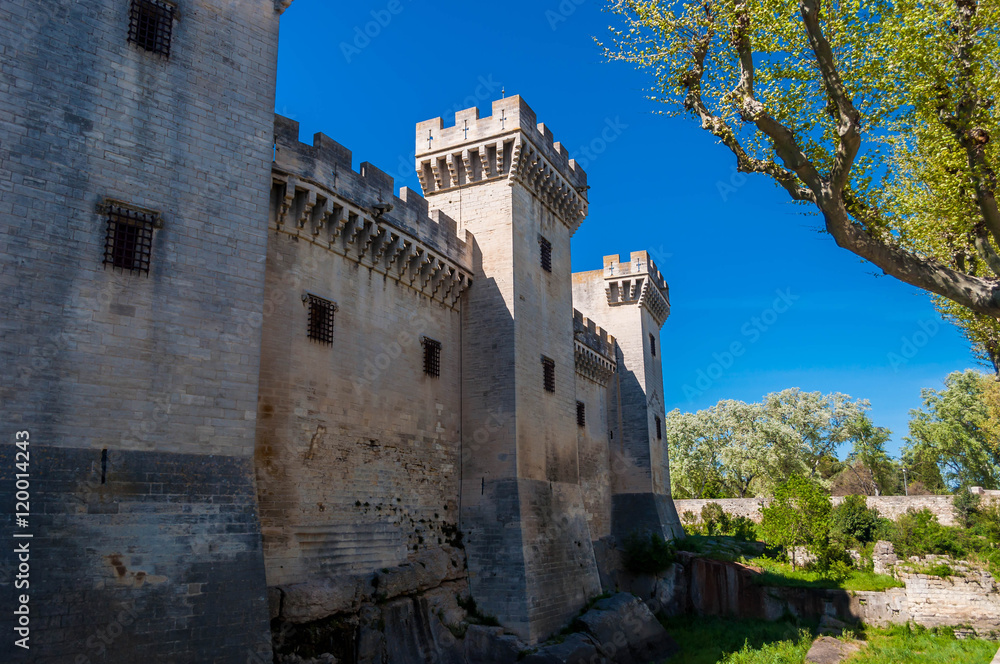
[879, 115]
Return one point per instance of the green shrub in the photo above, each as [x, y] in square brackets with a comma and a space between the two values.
[919, 533]
[743, 529]
[799, 515]
[854, 520]
[714, 519]
[648, 553]
[965, 505]
[691, 524]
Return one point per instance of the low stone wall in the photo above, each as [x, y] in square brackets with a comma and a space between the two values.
[701, 586]
[888, 506]
[970, 601]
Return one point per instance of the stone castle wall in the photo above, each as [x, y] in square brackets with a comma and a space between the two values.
[358, 449]
[192, 445]
[139, 392]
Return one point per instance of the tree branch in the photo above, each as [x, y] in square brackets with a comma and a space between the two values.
[973, 139]
[717, 126]
[849, 118]
[978, 294]
[985, 250]
[785, 144]
[829, 195]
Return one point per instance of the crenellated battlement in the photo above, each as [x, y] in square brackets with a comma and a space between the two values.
[594, 349]
[639, 282]
[508, 145]
[318, 197]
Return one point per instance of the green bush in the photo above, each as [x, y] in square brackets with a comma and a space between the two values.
[714, 519]
[919, 533]
[799, 515]
[854, 520]
[965, 505]
[648, 553]
[743, 529]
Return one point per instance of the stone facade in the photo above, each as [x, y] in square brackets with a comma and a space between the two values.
[305, 384]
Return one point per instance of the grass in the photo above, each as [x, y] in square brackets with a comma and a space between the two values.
[718, 547]
[905, 644]
[723, 641]
[942, 570]
[705, 640]
[782, 574]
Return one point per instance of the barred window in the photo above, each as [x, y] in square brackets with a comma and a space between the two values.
[432, 357]
[659, 429]
[549, 374]
[150, 24]
[581, 414]
[546, 253]
[652, 345]
[128, 243]
[321, 314]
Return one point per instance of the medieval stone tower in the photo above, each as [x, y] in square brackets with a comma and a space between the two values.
[503, 179]
[135, 165]
[630, 300]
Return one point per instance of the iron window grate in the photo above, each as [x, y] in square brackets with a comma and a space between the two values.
[652, 345]
[432, 357]
[546, 253]
[150, 25]
[548, 374]
[659, 429]
[581, 414]
[321, 314]
[128, 244]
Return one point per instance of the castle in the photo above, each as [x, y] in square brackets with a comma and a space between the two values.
[249, 370]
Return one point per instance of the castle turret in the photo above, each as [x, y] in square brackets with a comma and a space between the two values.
[630, 299]
[522, 511]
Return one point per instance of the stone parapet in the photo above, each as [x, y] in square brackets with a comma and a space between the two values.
[508, 145]
[317, 197]
[638, 282]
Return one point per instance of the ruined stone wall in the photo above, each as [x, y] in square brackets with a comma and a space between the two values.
[358, 447]
[139, 391]
[890, 507]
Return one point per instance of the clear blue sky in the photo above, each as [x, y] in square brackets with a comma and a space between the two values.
[726, 246]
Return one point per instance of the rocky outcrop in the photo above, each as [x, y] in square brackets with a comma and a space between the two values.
[617, 630]
[421, 612]
[828, 650]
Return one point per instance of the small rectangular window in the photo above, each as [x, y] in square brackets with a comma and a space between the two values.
[659, 429]
[652, 345]
[546, 253]
[581, 414]
[321, 314]
[128, 243]
[150, 24]
[549, 374]
[432, 357]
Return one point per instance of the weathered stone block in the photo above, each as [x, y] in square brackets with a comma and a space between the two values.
[427, 571]
[576, 649]
[489, 645]
[313, 600]
[625, 629]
